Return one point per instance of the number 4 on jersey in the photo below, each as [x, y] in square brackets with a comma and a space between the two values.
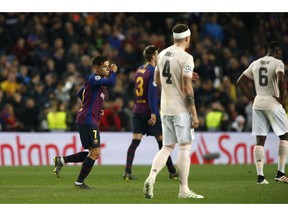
[166, 72]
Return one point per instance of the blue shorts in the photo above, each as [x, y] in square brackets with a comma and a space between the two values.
[89, 135]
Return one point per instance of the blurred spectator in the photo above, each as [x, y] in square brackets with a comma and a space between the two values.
[43, 117]
[213, 29]
[206, 68]
[20, 51]
[239, 124]
[50, 82]
[204, 94]
[23, 75]
[229, 88]
[10, 86]
[56, 117]
[9, 122]
[216, 119]
[124, 114]
[248, 112]
[85, 65]
[30, 116]
[111, 120]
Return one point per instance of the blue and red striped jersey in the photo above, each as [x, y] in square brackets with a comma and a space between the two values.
[92, 96]
[146, 100]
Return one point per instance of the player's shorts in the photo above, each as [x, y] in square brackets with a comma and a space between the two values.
[176, 129]
[140, 125]
[89, 136]
[262, 119]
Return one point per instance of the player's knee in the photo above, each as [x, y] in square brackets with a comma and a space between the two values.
[168, 148]
[185, 147]
[94, 154]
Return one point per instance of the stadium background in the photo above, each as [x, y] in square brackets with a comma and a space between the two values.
[45, 57]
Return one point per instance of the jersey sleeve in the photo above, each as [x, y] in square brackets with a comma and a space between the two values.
[248, 71]
[280, 67]
[80, 92]
[188, 67]
[103, 81]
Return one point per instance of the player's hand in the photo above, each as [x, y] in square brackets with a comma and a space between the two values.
[195, 122]
[152, 120]
[195, 76]
[113, 68]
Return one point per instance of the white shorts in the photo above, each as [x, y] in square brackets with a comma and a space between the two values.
[176, 129]
[263, 119]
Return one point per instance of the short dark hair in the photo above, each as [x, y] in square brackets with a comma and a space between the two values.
[273, 45]
[149, 51]
[99, 60]
[179, 28]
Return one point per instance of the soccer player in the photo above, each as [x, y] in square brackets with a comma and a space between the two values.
[267, 73]
[92, 96]
[174, 72]
[146, 117]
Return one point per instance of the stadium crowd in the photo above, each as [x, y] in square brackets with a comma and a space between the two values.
[45, 57]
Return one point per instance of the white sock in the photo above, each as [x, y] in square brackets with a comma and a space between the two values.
[259, 159]
[282, 155]
[183, 165]
[62, 160]
[159, 161]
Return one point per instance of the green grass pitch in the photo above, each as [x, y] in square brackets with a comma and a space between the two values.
[220, 184]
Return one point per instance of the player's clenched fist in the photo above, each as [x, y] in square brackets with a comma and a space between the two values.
[113, 68]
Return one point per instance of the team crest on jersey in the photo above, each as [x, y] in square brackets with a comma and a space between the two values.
[102, 95]
[97, 78]
[282, 66]
[188, 69]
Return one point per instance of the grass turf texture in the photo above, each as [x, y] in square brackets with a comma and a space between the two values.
[220, 184]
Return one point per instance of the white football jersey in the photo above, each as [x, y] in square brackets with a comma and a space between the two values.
[264, 73]
[174, 63]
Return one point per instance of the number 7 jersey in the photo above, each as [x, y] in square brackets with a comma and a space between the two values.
[264, 74]
[174, 63]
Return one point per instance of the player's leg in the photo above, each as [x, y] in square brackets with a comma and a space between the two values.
[59, 161]
[171, 168]
[282, 157]
[156, 131]
[182, 125]
[138, 130]
[86, 167]
[280, 128]
[259, 159]
[260, 128]
[158, 163]
[90, 139]
[130, 156]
